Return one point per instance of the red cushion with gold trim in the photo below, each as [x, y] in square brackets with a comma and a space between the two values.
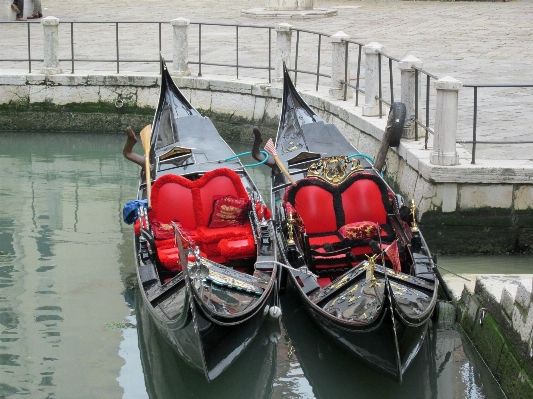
[229, 211]
[359, 230]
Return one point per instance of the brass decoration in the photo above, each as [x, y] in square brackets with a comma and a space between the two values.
[413, 208]
[290, 228]
[175, 152]
[334, 170]
[370, 268]
[230, 282]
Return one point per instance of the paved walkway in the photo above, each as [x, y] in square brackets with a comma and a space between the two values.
[475, 42]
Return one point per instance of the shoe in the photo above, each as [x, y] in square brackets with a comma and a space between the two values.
[33, 16]
[21, 19]
[40, 15]
[15, 8]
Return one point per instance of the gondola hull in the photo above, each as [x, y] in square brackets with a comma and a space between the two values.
[360, 267]
[206, 273]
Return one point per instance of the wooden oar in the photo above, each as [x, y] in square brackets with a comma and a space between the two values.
[269, 147]
[146, 135]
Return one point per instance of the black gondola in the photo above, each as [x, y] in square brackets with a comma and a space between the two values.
[359, 263]
[204, 242]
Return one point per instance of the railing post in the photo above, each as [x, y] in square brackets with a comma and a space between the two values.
[51, 46]
[283, 51]
[444, 152]
[338, 67]
[408, 93]
[372, 68]
[180, 47]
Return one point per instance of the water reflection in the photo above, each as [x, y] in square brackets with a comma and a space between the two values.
[71, 325]
[167, 376]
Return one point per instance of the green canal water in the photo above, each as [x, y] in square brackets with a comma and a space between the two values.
[71, 321]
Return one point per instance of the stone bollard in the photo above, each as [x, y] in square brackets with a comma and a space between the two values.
[408, 93]
[180, 47]
[338, 67]
[51, 46]
[371, 106]
[283, 51]
[444, 152]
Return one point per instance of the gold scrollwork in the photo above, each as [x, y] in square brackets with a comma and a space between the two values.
[334, 169]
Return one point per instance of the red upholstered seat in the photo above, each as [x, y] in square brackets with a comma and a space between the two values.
[323, 208]
[177, 199]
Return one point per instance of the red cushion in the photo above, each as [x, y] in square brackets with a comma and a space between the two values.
[214, 235]
[329, 239]
[315, 207]
[363, 201]
[162, 230]
[229, 211]
[237, 248]
[359, 230]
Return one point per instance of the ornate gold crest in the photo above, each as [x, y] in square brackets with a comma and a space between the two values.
[335, 169]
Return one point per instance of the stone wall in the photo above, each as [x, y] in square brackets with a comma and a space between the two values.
[465, 208]
[497, 313]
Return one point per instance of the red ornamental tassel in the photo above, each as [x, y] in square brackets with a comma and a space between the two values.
[394, 256]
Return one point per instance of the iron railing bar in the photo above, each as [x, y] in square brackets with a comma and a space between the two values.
[345, 71]
[494, 142]
[474, 128]
[269, 55]
[237, 48]
[309, 72]
[72, 45]
[354, 42]
[296, 58]
[391, 82]
[318, 61]
[416, 104]
[199, 49]
[29, 49]
[425, 72]
[379, 86]
[427, 128]
[358, 76]
[118, 56]
[160, 48]
[428, 80]
[495, 85]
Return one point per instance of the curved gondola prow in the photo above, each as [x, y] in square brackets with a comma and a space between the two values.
[290, 91]
[178, 105]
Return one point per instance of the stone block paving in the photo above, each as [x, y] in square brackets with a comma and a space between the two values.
[475, 42]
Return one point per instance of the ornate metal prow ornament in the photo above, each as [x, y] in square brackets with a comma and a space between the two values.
[414, 227]
[370, 268]
[334, 170]
[290, 228]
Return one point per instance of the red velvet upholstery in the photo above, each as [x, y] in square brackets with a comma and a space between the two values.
[315, 207]
[363, 201]
[324, 208]
[175, 198]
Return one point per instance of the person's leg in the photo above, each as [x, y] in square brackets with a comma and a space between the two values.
[37, 8]
[37, 11]
[19, 5]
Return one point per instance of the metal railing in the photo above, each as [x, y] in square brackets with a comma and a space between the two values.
[314, 66]
[475, 141]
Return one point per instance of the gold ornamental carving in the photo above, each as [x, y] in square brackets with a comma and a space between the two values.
[334, 170]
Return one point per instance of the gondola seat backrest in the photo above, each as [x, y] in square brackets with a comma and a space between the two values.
[191, 203]
[325, 207]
